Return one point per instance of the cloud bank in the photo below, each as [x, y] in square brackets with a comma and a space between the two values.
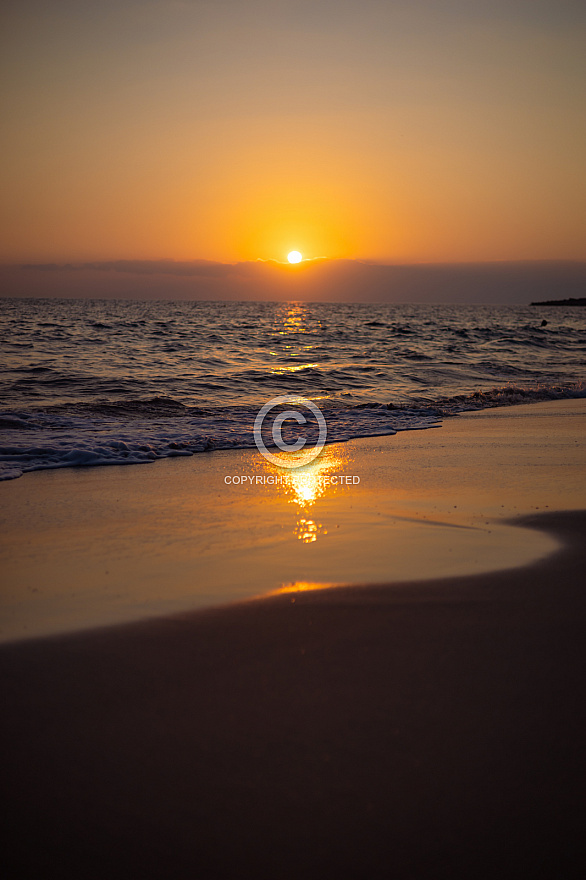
[312, 280]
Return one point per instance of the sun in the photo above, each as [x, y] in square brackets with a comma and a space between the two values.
[294, 257]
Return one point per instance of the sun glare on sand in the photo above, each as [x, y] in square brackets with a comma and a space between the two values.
[294, 257]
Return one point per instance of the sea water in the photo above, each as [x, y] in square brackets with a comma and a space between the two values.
[96, 382]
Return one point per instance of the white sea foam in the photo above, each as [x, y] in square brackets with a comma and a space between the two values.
[55, 440]
[91, 441]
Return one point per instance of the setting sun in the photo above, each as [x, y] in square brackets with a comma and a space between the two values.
[294, 257]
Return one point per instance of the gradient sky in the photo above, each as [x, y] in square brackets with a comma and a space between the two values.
[222, 130]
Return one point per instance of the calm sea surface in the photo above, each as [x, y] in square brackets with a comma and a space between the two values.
[92, 382]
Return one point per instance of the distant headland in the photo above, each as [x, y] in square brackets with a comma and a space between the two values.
[581, 301]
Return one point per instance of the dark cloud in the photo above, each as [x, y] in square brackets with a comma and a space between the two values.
[139, 267]
[328, 280]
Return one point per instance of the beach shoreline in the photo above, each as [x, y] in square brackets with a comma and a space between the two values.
[91, 547]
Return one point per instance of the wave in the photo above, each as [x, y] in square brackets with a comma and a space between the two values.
[140, 431]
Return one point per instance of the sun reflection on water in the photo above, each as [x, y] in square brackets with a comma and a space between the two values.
[307, 530]
[293, 321]
[300, 587]
[305, 485]
[293, 326]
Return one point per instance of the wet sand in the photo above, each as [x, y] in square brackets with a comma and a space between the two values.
[418, 730]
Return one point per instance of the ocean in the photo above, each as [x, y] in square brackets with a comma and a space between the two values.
[96, 382]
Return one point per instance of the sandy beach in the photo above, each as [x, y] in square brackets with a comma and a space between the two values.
[87, 547]
[423, 720]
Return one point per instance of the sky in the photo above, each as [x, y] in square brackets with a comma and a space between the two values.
[429, 131]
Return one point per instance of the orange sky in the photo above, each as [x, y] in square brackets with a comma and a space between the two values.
[394, 131]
